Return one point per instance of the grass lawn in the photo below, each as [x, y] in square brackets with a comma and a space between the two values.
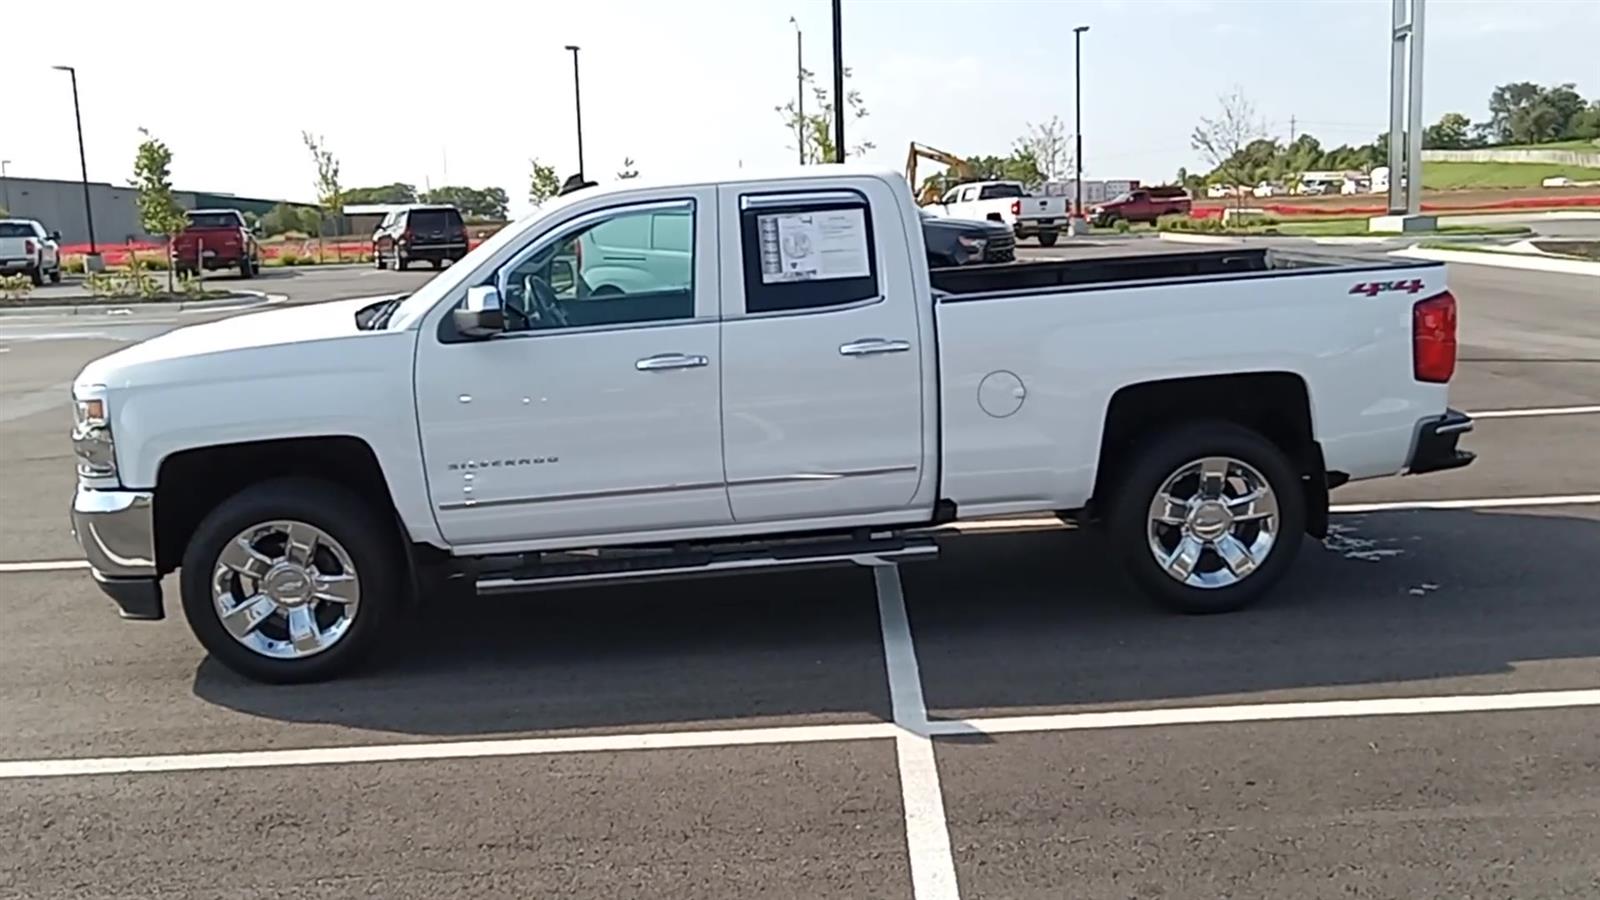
[1455, 176]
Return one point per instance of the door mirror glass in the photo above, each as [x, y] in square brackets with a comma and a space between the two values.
[481, 315]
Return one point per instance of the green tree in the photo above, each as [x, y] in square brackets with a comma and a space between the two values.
[1223, 140]
[285, 218]
[629, 170]
[485, 204]
[1587, 123]
[1453, 131]
[816, 127]
[399, 192]
[542, 183]
[159, 212]
[1526, 113]
[330, 195]
[1046, 145]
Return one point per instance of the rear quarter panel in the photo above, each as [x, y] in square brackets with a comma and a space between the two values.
[1074, 349]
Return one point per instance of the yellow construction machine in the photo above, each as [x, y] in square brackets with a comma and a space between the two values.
[957, 170]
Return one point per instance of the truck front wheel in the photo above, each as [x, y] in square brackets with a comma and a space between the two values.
[292, 580]
[1207, 517]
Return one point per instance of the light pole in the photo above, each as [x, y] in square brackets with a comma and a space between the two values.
[90, 262]
[577, 106]
[799, 91]
[6, 183]
[838, 85]
[1077, 126]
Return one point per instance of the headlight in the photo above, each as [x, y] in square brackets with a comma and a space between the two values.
[971, 243]
[91, 434]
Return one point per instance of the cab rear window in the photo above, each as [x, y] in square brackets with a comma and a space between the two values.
[16, 230]
[434, 220]
[998, 191]
[215, 220]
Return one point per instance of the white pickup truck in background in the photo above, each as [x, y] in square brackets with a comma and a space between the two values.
[1029, 216]
[26, 248]
[795, 388]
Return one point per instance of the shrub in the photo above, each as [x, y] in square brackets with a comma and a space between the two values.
[1123, 226]
[15, 287]
[289, 258]
[72, 265]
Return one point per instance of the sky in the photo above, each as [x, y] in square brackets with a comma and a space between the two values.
[467, 92]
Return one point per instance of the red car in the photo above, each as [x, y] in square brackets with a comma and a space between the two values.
[216, 239]
[1142, 205]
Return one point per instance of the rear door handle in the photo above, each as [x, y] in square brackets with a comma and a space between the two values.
[873, 346]
[670, 361]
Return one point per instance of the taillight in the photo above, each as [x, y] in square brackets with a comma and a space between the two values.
[1433, 338]
[27, 247]
[1016, 207]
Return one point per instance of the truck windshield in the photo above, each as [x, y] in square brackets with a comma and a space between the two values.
[214, 220]
[998, 191]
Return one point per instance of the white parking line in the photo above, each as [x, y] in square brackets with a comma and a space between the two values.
[379, 753]
[48, 565]
[1269, 712]
[933, 867]
[1535, 411]
[1482, 503]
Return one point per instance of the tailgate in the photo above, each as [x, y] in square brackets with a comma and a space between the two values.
[218, 241]
[14, 248]
[1043, 207]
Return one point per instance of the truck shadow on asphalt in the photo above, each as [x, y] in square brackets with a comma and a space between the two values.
[1397, 604]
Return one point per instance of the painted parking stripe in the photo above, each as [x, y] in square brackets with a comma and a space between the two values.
[1535, 411]
[1269, 712]
[1133, 718]
[48, 565]
[933, 866]
[380, 753]
[1484, 503]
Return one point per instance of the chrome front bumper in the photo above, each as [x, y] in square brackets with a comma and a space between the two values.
[116, 530]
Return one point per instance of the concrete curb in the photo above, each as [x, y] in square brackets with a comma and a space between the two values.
[1179, 237]
[1504, 260]
[239, 300]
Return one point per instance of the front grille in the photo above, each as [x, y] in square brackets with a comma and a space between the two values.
[1001, 248]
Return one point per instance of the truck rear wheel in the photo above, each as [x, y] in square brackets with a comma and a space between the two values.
[1207, 517]
[1047, 238]
[292, 580]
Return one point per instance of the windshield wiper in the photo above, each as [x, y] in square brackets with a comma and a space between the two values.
[380, 316]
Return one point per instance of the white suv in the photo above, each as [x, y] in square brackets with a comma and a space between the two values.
[26, 247]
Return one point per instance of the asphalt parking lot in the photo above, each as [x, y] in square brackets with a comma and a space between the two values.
[1412, 715]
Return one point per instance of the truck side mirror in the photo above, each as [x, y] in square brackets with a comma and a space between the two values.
[55, 236]
[482, 315]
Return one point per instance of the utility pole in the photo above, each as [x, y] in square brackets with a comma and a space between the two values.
[1291, 128]
[1077, 127]
[91, 263]
[838, 85]
[799, 91]
[5, 180]
[577, 106]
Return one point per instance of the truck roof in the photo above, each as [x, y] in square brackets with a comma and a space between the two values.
[724, 175]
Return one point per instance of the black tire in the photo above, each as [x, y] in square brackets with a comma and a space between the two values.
[55, 274]
[36, 276]
[437, 264]
[1163, 454]
[378, 260]
[246, 268]
[371, 542]
[1047, 238]
[400, 262]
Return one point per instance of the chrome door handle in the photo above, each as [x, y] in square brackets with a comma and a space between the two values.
[670, 361]
[871, 346]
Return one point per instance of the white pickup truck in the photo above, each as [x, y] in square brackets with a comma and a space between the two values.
[779, 380]
[25, 247]
[1029, 216]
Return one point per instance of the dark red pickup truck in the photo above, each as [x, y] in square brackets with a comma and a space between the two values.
[1142, 205]
[216, 239]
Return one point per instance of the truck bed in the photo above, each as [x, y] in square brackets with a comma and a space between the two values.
[1011, 278]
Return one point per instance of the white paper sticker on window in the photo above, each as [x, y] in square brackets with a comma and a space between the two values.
[813, 246]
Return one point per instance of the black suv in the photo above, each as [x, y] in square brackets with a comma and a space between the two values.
[432, 233]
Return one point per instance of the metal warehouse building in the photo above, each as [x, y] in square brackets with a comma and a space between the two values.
[58, 205]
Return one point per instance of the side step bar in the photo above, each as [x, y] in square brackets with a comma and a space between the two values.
[706, 562]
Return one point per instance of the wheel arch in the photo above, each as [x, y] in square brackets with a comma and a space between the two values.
[1275, 404]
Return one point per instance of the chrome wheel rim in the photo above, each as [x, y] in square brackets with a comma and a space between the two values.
[285, 589]
[1213, 522]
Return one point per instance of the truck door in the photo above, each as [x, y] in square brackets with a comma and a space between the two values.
[596, 412]
[823, 365]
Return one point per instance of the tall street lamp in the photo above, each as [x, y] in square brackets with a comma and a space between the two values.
[799, 91]
[6, 182]
[577, 106]
[838, 85]
[90, 263]
[1077, 123]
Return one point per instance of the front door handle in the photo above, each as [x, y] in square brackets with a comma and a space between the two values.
[871, 346]
[623, 258]
[670, 361]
